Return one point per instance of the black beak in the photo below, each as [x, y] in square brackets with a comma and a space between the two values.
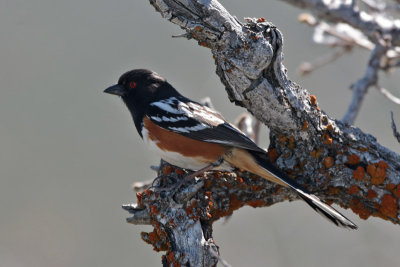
[115, 90]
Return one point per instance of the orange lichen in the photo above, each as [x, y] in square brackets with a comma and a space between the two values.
[353, 159]
[383, 165]
[371, 194]
[170, 259]
[389, 206]
[327, 138]
[282, 139]
[378, 213]
[329, 127]
[157, 238]
[291, 144]
[353, 189]
[358, 208]
[148, 192]
[273, 154]
[218, 174]
[207, 183]
[139, 197]
[203, 43]
[313, 100]
[305, 126]
[179, 171]
[240, 180]
[328, 162]
[170, 256]
[256, 203]
[190, 209]
[168, 169]
[371, 169]
[396, 191]
[333, 191]
[261, 20]
[316, 153]
[359, 173]
[390, 186]
[235, 204]
[172, 222]
[153, 237]
[379, 177]
[153, 209]
[198, 28]
[256, 38]
[256, 188]
[377, 172]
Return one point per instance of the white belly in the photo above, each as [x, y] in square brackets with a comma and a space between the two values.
[177, 159]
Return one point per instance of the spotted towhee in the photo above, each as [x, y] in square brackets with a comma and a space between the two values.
[192, 136]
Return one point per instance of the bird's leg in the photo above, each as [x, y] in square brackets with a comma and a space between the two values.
[212, 165]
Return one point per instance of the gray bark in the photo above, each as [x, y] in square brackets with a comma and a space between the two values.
[336, 161]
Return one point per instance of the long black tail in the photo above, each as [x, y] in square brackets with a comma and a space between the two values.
[317, 204]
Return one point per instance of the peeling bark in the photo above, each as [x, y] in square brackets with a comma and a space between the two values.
[337, 162]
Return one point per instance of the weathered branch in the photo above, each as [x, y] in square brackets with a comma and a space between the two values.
[394, 128]
[338, 162]
[388, 94]
[360, 88]
[344, 24]
[349, 13]
[249, 126]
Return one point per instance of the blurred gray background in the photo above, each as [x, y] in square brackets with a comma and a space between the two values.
[69, 153]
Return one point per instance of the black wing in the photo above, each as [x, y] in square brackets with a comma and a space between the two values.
[193, 120]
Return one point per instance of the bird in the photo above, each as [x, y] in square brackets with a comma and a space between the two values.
[193, 136]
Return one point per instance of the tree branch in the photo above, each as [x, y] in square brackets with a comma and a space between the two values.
[348, 26]
[360, 88]
[394, 128]
[349, 13]
[337, 162]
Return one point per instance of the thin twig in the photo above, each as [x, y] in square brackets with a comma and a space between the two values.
[388, 94]
[380, 6]
[249, 125]
[142, 186]
[220, 259]
[257, 128]
[339, 34]
[348, 12]
[360, 88]
[395, 132]
[206, 101]
[308, 67]
[375, 5]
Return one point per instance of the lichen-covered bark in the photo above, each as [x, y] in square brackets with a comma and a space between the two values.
[337, 162]
[345, 24]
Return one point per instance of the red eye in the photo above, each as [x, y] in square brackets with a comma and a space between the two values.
[132, 85]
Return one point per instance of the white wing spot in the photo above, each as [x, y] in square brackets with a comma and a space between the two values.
[156, 118]
[172, 119]
[166, 105]
[198, 127]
